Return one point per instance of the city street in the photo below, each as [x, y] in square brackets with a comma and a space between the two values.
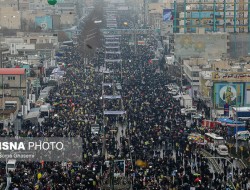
[114, 91]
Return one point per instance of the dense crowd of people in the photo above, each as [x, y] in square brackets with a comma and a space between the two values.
[152, 130]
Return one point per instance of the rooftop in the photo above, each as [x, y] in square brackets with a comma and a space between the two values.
[12, 71]
[206, 74]
[220, 65]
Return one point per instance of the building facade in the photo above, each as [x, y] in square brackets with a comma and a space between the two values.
[13, 82]
[10, 18]
[223, 16]
[208, 46]
[232, 88]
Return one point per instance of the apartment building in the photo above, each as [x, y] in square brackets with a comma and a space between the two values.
[205, 85]
[38, 38]
[9, 3]
[13, 82]
[220, 15]
[4, 54]
[13, 90]
[191, 69]
[10, 18]
[30, 48]
[12, 42]
[208, 46]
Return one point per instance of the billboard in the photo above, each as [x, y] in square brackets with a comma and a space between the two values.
[200, 45]
[247, 94]
[167, 15]
[44, 22]
[231, 76]
[228, 93]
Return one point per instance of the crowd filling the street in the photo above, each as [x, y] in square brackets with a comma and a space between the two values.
[134, 134]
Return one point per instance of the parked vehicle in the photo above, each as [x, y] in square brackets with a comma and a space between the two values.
[242, 135]
[186, 101]
[183, 111]
[19, 115]
[191, 110]
[11, 165]
[216, 143]
[222, 150]
[45, 110]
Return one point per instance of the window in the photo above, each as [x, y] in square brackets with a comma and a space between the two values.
[11, 78]
[195, 74]
[33, 41]
[195, 81]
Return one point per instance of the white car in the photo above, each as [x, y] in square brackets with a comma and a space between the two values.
[222, 150]
[242, 135]
[183, 111]
[174, 92]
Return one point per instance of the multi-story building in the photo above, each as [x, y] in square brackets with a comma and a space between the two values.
[208, 46]
[224, 82]
[191, 69]
[32, 14]
[223, 16]
[205, 86]
[23, 5]
[31, 47]
[39, 38]
[13, 90]
[4, 54]
[12, 42]
[231, 86]
[10, 18]
[13, 82]
[9, 3]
